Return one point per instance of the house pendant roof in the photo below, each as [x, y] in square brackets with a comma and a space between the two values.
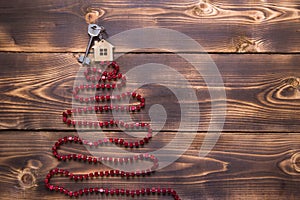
[103, 51]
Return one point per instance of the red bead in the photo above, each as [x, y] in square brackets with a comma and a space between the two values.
[106, 191]
[51, 187]
[122, 191]
[116, 140]
[101, 190]
[146, 140]
[64, 119]
[101, 174]
[117, 191]
[86, 190]
[131, 145]
[153, 190]
[137, 192]
[132, 193]
[136, 144]
[125, 144]
[112, 192]
[121, 142]
[106, 173]
[112, 172]
[158, 190]
[126, 160]
[133, 108]
[122, 173]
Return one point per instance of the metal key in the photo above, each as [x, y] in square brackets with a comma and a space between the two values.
[93, 30]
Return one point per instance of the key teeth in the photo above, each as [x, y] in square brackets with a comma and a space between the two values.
[80, 59]
[87, 60]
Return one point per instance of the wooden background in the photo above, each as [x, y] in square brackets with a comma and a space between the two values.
[255, 45]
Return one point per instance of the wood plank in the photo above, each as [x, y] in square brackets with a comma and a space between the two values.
[262, 165]
[262, 91]
[219, 26]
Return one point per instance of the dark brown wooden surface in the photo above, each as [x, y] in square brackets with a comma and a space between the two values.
[241, 165]
[255, 45]
[260, 90]
[219, 26]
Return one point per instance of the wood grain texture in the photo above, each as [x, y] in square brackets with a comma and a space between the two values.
[256, 157]
[219, 26]
[262, 90]
[241, 166]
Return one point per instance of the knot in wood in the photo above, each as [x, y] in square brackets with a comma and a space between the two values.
[295, 160]
[246, 45]
[203, 9]
[294, 82]
[258, 16]
[26, 178]
[92, 16]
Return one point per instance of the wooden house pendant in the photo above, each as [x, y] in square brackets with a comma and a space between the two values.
[103, 51]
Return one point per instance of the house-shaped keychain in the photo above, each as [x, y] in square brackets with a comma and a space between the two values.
[103, 51]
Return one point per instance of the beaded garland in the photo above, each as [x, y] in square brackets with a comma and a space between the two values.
[106, 80]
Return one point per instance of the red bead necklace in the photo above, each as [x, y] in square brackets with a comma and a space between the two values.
[109, 81]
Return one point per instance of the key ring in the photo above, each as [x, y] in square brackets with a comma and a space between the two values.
[102, 30]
